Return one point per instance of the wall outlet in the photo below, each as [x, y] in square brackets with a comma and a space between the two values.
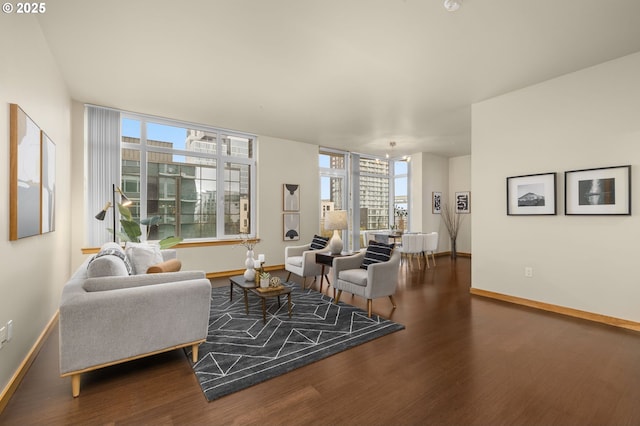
[3, 335]
[528, 271]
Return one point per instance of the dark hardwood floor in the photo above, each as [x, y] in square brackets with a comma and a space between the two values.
[461, 360]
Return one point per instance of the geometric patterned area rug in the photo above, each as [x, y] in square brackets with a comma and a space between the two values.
[241, 351]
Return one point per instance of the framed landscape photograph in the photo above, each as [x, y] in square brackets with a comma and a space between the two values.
[436, 202]
[531, 195]
[463, 202]
[601, 191]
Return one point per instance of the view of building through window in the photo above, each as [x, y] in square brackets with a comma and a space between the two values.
[374, 194]
[177, 174]
[382, 199]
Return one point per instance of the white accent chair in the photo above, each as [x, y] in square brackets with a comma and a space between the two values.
[301, 260]
[430, 246]
[378, 280]
[412, 244]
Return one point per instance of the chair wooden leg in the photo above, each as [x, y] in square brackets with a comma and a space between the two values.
[194, 352]
[369, 306]
[393, 302]
[304, 282]
[433, 257]
[336, 299]
[75, 385]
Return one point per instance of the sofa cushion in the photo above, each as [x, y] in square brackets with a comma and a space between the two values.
[354, 276]
[295, 261]
[110, 261]
[318, 242]
[376, 252]
[142, 256]
[171, 265]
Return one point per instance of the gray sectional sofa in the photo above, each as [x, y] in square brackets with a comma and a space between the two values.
[108, 316]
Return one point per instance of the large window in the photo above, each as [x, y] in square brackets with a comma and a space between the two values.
[333, 184]
[374, 193]
[401, 194]
[199, 181]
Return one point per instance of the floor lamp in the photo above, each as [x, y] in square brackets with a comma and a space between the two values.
[123, 201]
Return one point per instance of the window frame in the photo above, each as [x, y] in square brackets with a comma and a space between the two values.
[221, 161]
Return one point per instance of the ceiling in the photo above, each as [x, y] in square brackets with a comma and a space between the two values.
[347, 74]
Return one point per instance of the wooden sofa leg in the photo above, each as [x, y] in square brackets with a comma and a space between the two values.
[336, 299]
[369, 306]
[75, 385]
[288, 276]
[194, 352]
[393, 302]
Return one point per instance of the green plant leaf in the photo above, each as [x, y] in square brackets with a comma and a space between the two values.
[150, 221]
[168, 242]
[124, 211]
[132, 229]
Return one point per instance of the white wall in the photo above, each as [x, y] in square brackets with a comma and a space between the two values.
[582, 120]
[34, 269]
[460, 181]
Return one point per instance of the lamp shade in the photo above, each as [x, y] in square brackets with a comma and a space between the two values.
[335, 219]
[103, 212]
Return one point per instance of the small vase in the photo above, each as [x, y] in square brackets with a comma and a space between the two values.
[264, 282]
[250, 272]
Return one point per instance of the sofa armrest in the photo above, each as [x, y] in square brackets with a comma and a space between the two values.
[103, 327]
[384, 275]
[115, 283]
[291, 251]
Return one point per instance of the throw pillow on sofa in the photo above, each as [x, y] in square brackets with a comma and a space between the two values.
[377, 252]
[110, 261]
[171, 265]
[142, 256]
[318, 242]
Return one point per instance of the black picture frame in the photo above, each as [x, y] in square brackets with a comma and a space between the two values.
[532, 195]
[598, 191]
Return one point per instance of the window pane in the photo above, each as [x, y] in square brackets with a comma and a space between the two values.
[401, 167]
[236, 199]
[332, 161]
[201, 141]
[332, 194]
[374, 194]
[130, 130]
[237, 146]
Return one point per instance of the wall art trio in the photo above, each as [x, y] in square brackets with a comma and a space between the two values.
[599, 191]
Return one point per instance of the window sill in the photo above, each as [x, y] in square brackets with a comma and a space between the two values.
[184, 244]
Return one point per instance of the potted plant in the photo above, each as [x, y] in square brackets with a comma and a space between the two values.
[131, 229]
[401, 214]
[264, 279]
[452, 221]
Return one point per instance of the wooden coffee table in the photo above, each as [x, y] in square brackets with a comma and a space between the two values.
[239, 281]
[264, 295]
